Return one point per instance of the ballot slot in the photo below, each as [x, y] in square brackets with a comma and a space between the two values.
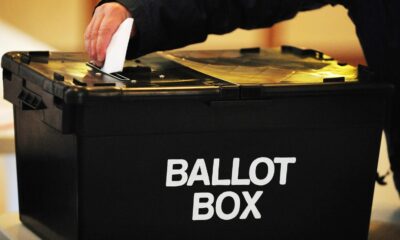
[114, 75]
[160, 74]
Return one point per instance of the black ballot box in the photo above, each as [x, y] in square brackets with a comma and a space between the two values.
[233, 144]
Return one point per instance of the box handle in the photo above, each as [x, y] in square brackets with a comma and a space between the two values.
[30, 100]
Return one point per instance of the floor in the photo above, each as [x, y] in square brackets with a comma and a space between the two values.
[386, 206]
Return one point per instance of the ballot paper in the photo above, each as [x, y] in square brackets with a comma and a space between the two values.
[116, 51]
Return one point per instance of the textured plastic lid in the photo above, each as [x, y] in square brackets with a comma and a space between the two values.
[222, 74]
[266, 66]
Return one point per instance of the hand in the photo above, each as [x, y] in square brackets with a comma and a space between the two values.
[104, 23]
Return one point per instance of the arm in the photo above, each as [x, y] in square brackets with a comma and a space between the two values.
[164, 25]
[169, 24]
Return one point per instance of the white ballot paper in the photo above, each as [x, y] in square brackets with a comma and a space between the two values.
[116, 51]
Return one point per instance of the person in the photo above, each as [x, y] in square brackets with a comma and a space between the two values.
[168, 24]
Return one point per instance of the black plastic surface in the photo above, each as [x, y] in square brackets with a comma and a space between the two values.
[92, 151]
[66, 76]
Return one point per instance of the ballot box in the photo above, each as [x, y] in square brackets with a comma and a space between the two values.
[234, 144]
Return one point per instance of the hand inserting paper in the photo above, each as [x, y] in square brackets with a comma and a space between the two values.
[116, 50]
[105, 22]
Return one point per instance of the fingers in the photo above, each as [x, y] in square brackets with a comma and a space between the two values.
[94, 34]
[91, 33]
[101, 28]
[87, 36]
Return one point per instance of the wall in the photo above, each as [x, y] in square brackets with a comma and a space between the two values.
[60, 24]
[236, 39]
[15, 40]
[328, 29]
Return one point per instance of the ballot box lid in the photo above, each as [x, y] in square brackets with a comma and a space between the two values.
[218, 74]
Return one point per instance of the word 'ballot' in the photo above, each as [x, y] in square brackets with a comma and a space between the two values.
[206, 205]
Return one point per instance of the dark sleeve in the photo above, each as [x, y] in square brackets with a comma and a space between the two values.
[377, 26]
[169, 24]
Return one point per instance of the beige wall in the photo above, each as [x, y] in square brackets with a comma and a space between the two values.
[61, 24]
[236, 39]
[2, 187]
[328, 29]
[58, 23]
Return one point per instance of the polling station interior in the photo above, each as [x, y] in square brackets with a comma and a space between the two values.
[25, 26]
